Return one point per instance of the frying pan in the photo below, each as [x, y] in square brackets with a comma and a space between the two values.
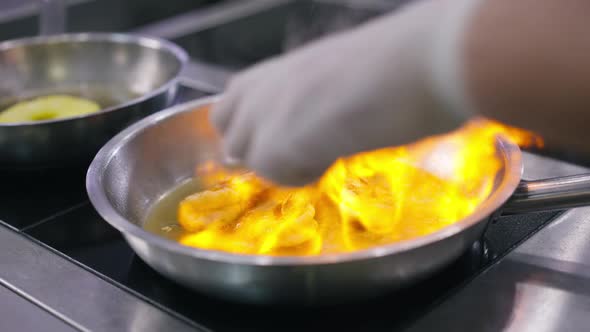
[146, 160]
[130, 76]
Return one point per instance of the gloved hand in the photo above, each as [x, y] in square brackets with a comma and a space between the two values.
[291, 117]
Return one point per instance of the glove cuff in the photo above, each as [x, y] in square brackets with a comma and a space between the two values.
[446, 59]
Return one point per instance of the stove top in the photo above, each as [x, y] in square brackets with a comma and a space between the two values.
[66, 222]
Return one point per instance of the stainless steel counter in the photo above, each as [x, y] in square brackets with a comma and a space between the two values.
[26, 316]
[71, 294]
[541, 286]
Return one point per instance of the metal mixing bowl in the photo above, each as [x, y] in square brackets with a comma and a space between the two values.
[130, 76]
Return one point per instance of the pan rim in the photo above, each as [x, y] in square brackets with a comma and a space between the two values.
[94, 185]
[144, 41]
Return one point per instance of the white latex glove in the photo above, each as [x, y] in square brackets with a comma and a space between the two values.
[290, 118]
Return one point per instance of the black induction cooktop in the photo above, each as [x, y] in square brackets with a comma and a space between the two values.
[51, 207]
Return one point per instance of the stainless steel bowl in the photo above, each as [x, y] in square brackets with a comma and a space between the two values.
[152, 156]
[130, 76]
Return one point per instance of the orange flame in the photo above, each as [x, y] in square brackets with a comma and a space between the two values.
[365, 200]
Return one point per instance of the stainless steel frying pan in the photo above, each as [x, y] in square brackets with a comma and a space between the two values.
[152, 156]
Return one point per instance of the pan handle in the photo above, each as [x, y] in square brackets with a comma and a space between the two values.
[549, 194]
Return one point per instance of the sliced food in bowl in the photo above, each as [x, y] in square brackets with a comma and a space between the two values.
[50, 107]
